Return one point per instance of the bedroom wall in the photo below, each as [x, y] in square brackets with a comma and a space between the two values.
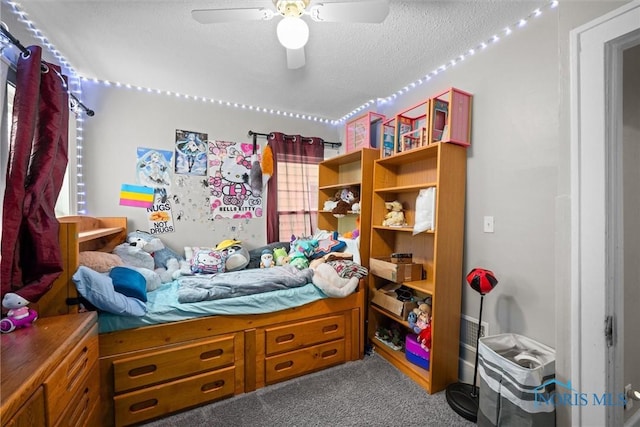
[126, 119]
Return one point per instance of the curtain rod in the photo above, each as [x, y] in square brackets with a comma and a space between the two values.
[266, 135]
[26, 52]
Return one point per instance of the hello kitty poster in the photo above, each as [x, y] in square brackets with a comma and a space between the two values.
[229, 170]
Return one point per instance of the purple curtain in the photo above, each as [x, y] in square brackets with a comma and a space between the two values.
[287, 148]
[31, 257]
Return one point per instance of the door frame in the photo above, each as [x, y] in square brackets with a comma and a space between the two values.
[596, 234]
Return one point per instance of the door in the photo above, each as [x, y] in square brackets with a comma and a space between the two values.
[605, 228]
[631, 223]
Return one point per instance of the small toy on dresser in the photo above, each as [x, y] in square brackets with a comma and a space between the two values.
[19, 315]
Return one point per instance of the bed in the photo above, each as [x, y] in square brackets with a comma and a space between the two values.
[183, 360]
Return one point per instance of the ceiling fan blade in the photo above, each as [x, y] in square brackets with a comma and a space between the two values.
[295, 58]
[216, 16]
[367, 11]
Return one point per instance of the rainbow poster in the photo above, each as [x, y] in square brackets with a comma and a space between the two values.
[137, 196]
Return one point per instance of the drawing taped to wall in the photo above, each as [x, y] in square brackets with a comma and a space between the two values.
[191, 153]
[231, 194]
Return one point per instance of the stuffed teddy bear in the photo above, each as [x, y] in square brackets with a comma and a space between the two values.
[19, 315]
[395, 215]
[345, 201]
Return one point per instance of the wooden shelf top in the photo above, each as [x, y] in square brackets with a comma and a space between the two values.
[340, 185]
[405, 188]
[86, 236]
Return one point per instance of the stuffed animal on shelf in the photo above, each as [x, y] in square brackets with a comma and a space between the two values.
[19, 315]
[395, 214]
[355, 233]
[266, 259]
[345, 200]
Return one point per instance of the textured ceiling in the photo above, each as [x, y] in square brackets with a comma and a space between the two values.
[157, 45]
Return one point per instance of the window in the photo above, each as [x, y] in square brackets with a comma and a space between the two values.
[297, 199]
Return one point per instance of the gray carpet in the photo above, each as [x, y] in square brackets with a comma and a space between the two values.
[368, 392]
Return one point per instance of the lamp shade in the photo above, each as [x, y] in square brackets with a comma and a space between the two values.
[482, 280]
[293, 33]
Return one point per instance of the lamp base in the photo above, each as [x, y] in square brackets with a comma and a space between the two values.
[463, 400]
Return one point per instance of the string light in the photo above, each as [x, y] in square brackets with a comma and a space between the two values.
[481, 46]
[22, 17]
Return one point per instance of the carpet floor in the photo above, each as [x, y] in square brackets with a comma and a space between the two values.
[367, 392]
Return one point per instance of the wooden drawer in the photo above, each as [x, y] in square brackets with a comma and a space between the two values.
[295, 363]
[81, 409]
[159, 366]
[160, 400]
[31, 414]
[69, 378]
[297, 335]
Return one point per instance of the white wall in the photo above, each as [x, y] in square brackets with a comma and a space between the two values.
[127, 119]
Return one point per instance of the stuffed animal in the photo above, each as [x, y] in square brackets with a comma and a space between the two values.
[345, 200]
[162, 256]
[237, 257]
[300, 251]
[19, 315]
[395, 215]
[266, 259]
[280, 256]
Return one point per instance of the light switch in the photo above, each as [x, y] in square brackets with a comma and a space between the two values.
[488, 224]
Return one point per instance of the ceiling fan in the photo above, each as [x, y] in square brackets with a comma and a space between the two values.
[292, 30]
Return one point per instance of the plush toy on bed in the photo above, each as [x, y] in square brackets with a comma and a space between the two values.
[280, 256]
[266, 259]
[165, 260]
[237, 257]
[300, 251]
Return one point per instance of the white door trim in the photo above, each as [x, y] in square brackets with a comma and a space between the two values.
[592, 130]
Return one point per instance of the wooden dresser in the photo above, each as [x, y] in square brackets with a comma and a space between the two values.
[50, 374]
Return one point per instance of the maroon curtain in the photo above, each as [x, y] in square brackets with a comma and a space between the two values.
[31, 258]
[287, 148]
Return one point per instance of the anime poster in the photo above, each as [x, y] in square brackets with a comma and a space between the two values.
[191, 153]
[153, 169]
[229, 171]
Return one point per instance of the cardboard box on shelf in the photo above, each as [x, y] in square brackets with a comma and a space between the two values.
[385, 298]
[385, 268]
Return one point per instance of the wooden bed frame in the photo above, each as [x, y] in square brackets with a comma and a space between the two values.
[150, 372]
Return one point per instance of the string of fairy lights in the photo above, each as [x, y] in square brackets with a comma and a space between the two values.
[75, 86]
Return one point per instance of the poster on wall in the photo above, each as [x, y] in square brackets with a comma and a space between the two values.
[229, 171]
[160, 218]
[153, 169]
[191, 153]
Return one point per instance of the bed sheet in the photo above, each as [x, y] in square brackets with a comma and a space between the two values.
[163, 306]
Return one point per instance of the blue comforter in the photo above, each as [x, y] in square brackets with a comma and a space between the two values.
[239, 283]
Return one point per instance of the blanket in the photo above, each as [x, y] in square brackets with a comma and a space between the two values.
[239, 283]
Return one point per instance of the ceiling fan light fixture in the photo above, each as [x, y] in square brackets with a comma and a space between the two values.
[293, 33]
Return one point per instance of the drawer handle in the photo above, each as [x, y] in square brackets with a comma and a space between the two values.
[211, 354]
[142, 370]
[329, 353]
[76, 373]
[80, 411]
[208, 387]
[285, 338]
[284, 365]
[330, 328]
[144, 405]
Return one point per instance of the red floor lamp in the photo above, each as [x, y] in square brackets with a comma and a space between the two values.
[463, 398]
